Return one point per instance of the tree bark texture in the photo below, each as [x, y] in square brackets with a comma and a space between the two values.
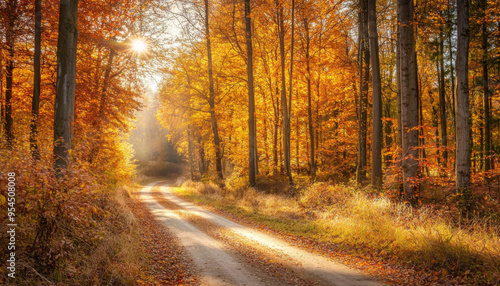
[252, 136]
[462, 98]
[35, 104]
[486, 91]
[377, 97]
[286, 118]
[409, 99]
[9, 70]
[211, 99]
[364, 71]
[65, 86]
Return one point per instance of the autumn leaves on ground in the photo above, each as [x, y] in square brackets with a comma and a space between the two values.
[364, 131]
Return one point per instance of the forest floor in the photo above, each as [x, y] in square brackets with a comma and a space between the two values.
[223, 252]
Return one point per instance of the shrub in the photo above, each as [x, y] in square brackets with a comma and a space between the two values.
[69, 225]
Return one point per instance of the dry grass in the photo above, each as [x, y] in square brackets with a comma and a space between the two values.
[108, 253]
[116, 260]
[345, 216]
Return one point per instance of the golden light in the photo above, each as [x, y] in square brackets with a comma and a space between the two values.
[139, 46]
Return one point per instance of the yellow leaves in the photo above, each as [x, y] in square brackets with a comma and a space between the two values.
[2, 200]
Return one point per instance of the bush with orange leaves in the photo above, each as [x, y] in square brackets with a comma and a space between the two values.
[62, 222]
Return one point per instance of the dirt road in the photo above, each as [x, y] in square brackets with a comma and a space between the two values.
[227, 253]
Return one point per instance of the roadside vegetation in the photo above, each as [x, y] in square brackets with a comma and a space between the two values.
[75, 231]
[367, 223]
[86, 229]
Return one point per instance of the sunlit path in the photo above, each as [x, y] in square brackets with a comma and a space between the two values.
[215, 266]
[204, 249]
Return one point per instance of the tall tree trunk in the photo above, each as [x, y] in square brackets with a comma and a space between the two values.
[65, 87]
[289, 170]
[9, 70]
[252, 138]
[398, 102]
[211, 99]
[462, 102]
[275, 137]
[377, 97]
[2, 100]
[312, 161]
[286, 118]
[364, 70]
[409, 99]
[36, 81]
[442, 102]
[486, 92]
[450, 58]
[388, 131]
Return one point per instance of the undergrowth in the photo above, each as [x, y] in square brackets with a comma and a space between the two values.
[359, 221]
[76, 230]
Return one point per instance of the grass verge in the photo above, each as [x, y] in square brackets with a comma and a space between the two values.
[363, 225]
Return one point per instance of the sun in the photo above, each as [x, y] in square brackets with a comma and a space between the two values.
[139, 46]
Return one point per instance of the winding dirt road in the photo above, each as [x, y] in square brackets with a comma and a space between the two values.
[227, 253]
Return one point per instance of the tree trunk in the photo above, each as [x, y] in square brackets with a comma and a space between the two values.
[452, 70]
[312, 161]
[462, 102]
[409, 99]
[251, 100]
[486, 92]
[377, 97]
[211, 99]
[201, 151]
[9, 70]
[65, 86]
[36, 81]
[398, 100]
[442, 103]
[2, 100]
[105, 84]
[276, 134]
[364, 70]
[289, 170]
[286, 118]
[190, 153]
